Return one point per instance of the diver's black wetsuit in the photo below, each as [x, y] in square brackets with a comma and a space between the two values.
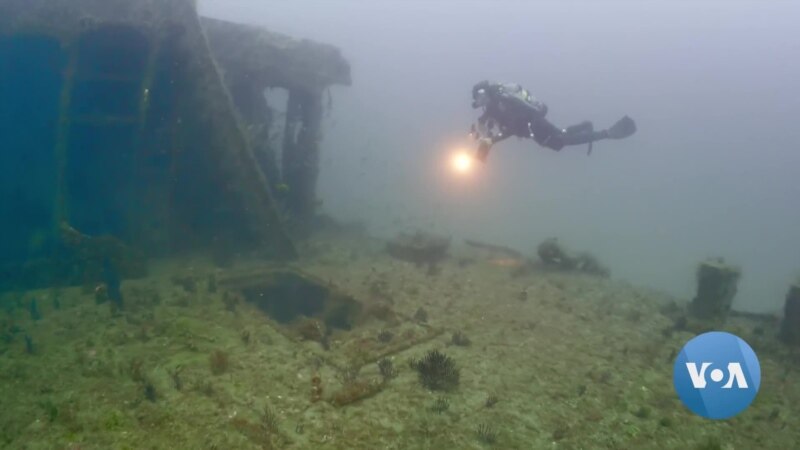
[515, 112]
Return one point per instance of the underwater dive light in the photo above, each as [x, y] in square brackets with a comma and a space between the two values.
[462, 162]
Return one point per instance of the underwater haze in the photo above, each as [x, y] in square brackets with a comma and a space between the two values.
[711, 172]
[249, 224]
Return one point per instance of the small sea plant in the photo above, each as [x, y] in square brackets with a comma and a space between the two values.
[269, 420]
[33, 308]
[149, 390]
[437, 371]
[387, 369]
[460, 339]
[486, 434]
[219, 362]
[385, 336]
[349, 374]
[421, 316]
[440, 405]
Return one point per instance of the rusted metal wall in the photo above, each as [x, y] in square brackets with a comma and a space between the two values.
[137, 138]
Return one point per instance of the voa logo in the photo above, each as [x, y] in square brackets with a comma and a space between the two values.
[717, 375]
[734, 372]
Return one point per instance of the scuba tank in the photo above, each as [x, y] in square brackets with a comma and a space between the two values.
[516, 91]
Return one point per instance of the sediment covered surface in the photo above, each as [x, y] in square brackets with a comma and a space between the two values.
[554, 360]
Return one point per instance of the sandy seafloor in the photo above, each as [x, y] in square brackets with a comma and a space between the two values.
[581, 363]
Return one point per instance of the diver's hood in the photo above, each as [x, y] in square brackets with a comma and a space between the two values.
[480, 98]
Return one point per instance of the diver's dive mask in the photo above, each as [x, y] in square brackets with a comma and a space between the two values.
[480, 99]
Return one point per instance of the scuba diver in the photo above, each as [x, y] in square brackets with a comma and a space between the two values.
[514, 112]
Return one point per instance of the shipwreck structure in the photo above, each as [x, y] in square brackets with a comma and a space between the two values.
[716, 288]
[790, 326]
[254, 60]
[123, 140]
[555, 255]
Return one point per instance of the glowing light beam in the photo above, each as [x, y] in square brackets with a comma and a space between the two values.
[462, 162]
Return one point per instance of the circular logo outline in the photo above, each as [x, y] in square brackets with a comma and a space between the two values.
[717, 375]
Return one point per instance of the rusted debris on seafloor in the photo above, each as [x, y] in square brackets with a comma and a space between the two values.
[495, 250]
[555, 255]
[420, 248]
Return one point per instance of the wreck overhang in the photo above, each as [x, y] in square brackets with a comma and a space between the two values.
[268, 59]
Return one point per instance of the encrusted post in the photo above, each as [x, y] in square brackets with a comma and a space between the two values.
[257, 116]
[716, 287]
[790, 328]
[301, 150]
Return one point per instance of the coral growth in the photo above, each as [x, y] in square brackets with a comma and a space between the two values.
[437, 371]
[387, 369]
[486, 434]
[265, 433]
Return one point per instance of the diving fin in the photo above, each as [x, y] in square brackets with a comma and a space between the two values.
[622, 129]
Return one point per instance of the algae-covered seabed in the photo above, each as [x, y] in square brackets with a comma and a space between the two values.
[578, 363]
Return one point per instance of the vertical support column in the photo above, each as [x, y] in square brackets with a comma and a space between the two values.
[61, 213]
[301, 151]
[257, 116]
[790, 328]
[716, 287]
